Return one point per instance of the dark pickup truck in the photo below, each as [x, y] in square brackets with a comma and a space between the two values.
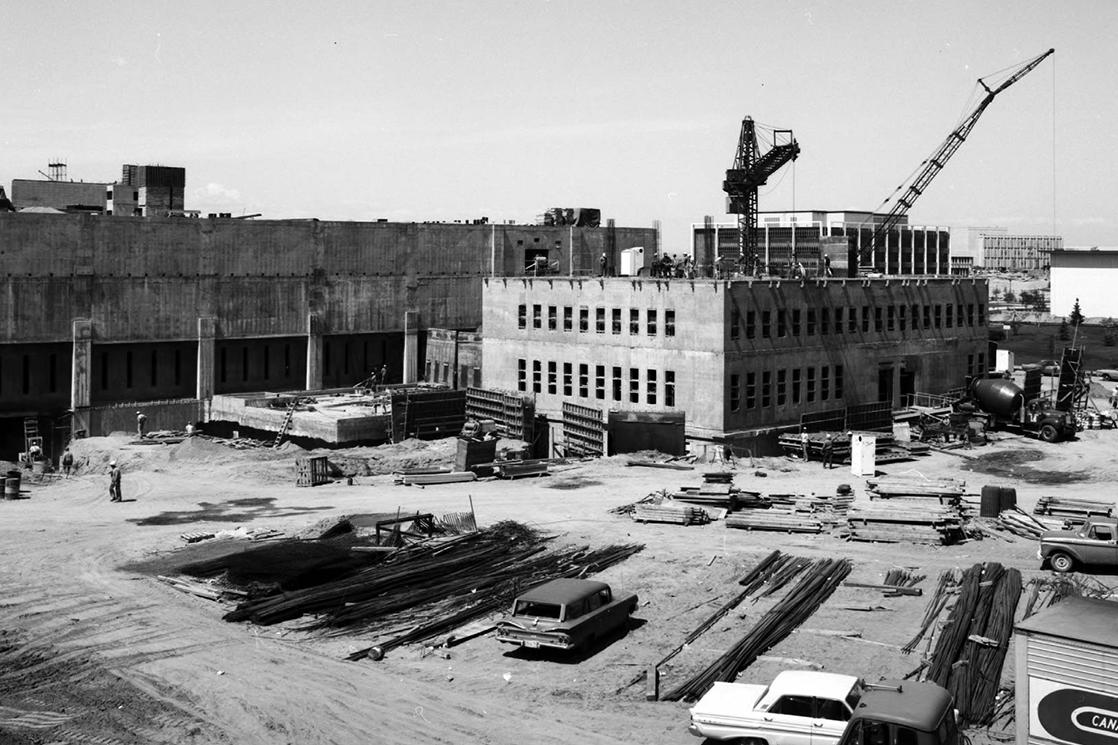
[1094, 544]
[565, 614]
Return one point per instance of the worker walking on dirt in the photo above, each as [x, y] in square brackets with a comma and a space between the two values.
[804, 442]
[114, 482]
[141, 421]
[384, 374]
[67, 462]
[828, 451]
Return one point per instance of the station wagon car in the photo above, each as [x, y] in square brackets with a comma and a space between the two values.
[566, 614]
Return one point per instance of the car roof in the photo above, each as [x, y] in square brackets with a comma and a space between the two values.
[1079, 619]
[908, 703]
[824, 685]
[563, 591]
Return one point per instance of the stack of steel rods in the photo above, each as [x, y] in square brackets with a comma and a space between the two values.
[813, 589]
[947, 581]
[971, 651]
[766, 568]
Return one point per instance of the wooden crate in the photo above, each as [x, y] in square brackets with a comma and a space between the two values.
[311, 471]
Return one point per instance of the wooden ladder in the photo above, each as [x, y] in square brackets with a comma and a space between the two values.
[31, 433]
[286, 425]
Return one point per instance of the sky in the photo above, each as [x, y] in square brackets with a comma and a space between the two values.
[418, 111]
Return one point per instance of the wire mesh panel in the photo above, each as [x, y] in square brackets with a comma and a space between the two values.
[583, 430]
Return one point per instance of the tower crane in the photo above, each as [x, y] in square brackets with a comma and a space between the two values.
[931, 167]
[751, 170]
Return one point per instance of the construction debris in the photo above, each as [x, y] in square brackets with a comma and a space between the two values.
[885, 488]
[657, 509]
[898, 523]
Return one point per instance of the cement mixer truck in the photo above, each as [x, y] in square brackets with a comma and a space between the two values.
[1003, 404]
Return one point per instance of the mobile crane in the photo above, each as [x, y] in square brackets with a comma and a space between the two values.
[931, 167]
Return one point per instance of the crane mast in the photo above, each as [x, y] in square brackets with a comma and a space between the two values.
[751, 170]
[933, 165]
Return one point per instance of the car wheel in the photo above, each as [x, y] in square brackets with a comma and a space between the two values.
[1061, 562]
[1048, 433]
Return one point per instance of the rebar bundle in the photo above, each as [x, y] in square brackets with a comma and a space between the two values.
[813, 589]
[971, 651]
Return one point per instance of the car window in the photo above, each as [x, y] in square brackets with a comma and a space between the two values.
[1102, 532]
[796, 706]
[594, 601]
[905, 736]
[538, 610]
[576, 609]
[605, 596]
[827, 708]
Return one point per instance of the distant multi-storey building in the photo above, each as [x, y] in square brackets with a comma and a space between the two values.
[996, 249]
[143, 191]
[811, 235]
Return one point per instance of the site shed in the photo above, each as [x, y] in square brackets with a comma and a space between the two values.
[1067, 674]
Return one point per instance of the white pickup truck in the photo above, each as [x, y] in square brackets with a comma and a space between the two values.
[797, 708]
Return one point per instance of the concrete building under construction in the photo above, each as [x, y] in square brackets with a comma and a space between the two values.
[738, 357]
[101, 312]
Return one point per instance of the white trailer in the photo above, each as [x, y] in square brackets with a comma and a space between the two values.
[1067, 674]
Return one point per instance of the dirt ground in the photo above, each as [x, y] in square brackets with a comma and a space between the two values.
[93, 652]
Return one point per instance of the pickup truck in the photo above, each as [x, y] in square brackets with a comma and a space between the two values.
[566, 614]
[797, 708]
[1095, 543]
[903, 712]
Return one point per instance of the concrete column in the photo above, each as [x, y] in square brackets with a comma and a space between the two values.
[411, 346]
[204, 377]
[314, 353]
[81, 375]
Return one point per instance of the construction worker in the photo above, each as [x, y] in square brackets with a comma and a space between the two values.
[828, 451]
[114, 482]
[67, 462]
[384, 374]
[804, 441]
[141, 421]
[602, 262]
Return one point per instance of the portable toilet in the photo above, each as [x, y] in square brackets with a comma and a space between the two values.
[632, 261]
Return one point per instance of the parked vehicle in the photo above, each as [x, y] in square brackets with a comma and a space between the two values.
[1046, 367]
[1094, 544]
[1004, 403]
[566, 614]
[797, 708]
[1107, 374]
[902, 713]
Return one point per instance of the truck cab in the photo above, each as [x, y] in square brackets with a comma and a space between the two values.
[903, 713]
[1095, 543]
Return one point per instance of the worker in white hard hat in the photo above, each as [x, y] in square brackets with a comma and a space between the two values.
[141, 420]
[114, 482]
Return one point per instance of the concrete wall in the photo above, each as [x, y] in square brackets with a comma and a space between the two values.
[57, 194]
[34, 377]
[161, 415]
[718, 347]
[453, 358]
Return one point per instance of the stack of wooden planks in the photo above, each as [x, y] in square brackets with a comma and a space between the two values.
[1022, 524]
[887, 487]
[783, 519]
[669, 511]
[901, 523]
[1074, 510]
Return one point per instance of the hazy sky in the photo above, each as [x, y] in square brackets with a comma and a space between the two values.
[438, 110]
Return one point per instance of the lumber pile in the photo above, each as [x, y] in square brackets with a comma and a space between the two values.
[1073, 510]
[968, 658]
[779, 519]
[896, 523]
[815, 586]
[658, 510]
[1021, 523]
[895, 486]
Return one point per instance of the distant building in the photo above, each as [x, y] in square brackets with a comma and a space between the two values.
[148, 191]
[738, 357]
[811, 234]
[1087, 275]
[996, 249]
[65, 196]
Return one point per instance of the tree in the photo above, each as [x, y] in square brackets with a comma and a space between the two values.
[1010, 297]
[1076, 316]
[1110, 332]
[1064, 334]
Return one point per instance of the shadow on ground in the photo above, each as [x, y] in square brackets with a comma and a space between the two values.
[233, 511]
[1012, 464]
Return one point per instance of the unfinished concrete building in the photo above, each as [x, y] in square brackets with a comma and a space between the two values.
[101, 312]
[739, 357]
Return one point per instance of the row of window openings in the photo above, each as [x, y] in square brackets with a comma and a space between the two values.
[439, 372]
[789, 384]
[828, 320]
[617, 389]
[25, 375]
[651, 319]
